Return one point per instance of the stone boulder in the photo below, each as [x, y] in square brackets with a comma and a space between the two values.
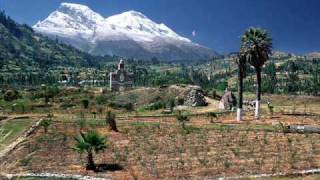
[195, 98]
[228, 101]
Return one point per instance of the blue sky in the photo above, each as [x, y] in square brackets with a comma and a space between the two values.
[217, 24]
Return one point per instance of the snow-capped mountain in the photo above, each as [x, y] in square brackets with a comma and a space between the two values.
[129, 34]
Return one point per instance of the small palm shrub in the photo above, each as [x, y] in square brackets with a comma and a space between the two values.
[90, 143]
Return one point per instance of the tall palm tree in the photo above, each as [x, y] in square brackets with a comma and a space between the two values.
[241, 61]
[256, 46]
[90, 142]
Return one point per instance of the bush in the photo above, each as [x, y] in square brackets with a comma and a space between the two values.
[156, 106]
[67, 105]
[85, 103]
[11, 95]
[221, 86]
[182, 118]
[127, 106]
[21, 106]
[172, 104]
[111, 121]
[101, 99]
[114, 105]
[50, 92]
[45, 124]
[180, 101]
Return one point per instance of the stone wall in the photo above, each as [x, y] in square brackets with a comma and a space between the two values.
[195, 98]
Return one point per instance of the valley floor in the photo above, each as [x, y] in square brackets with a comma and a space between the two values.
[157, 148]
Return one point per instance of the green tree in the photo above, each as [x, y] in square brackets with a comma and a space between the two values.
[256, 46]
[50, 92]
[271, 78]
[315, 78]
[293, 77]
[90, 143]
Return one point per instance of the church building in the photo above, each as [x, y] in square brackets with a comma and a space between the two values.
[121, 80]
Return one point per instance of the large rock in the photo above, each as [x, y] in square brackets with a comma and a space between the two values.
[228, 101]
[195, 98]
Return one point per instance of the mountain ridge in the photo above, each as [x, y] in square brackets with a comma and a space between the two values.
[88, 31]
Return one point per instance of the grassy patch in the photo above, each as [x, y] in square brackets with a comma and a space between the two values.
[15, 127]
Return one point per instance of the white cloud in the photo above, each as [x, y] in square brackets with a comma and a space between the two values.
[194, 33]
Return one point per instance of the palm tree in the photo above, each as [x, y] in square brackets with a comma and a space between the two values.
[241, 61]
[256, 46]
[90, 142]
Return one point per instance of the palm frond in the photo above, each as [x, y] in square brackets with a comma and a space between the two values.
[90, 141]
[256, 46]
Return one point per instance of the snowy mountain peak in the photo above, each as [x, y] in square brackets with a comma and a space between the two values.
[135, 13]
[135, 23]
[79, 12]
[70, 20]
[74, 6]
[80, 26]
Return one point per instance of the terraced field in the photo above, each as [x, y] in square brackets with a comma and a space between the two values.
[160, 149]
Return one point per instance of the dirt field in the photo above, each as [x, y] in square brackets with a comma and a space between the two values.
[153, 148]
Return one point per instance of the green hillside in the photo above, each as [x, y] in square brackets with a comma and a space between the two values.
[22, 49]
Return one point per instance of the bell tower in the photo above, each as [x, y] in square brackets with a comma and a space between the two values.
[121, 65]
